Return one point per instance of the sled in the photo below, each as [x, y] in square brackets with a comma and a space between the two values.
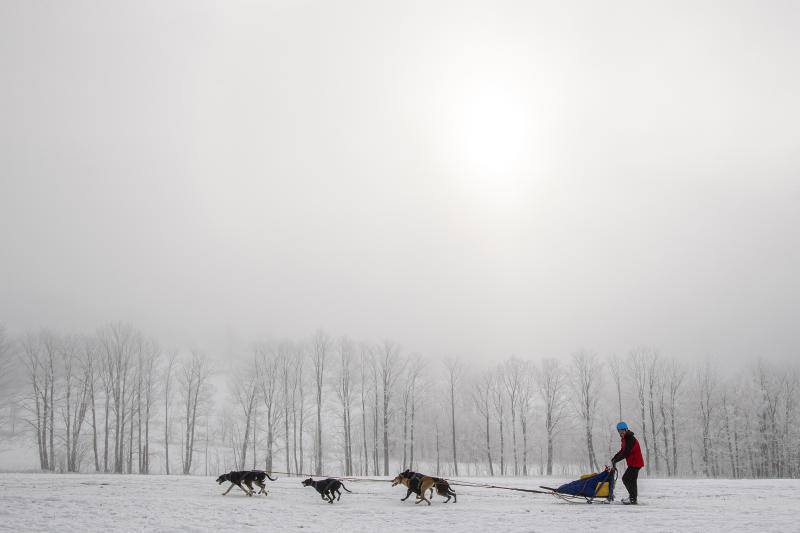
[590, 487]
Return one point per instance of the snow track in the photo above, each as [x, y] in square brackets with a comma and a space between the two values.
[88, 502]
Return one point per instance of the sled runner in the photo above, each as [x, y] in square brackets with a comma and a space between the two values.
[590, 487]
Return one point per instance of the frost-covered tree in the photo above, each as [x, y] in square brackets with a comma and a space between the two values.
[551, 383]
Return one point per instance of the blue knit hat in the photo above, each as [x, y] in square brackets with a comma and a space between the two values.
[621, 426]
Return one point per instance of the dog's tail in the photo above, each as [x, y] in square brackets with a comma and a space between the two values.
[271, 478]
[345, 488]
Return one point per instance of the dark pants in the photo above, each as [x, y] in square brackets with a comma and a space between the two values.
[629, 479]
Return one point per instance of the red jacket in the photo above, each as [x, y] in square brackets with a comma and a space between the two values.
[630, 451]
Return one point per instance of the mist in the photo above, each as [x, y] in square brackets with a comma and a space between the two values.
[469, 180]
[235, 189]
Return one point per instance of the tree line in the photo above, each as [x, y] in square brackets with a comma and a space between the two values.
[115, 401]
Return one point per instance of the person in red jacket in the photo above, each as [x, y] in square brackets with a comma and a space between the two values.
[632, 453]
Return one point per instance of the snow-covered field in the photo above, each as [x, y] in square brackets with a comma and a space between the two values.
[59, 502]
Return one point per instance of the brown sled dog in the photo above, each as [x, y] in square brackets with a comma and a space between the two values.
[417, 485]
[442, 486]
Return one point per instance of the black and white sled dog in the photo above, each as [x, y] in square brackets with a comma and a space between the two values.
[326, 488]
[239, 478]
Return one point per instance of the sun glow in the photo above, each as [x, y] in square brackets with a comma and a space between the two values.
[488, 143]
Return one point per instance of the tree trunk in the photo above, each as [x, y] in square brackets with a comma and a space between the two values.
[245, 441]
[453, 423]
[405, 433]
[375, 429]
[502, 447]
[524, 423]
[411, 451]
[590, 448]
[385, 429]
[438, 462]
[52, 460]
[488, 444]
[514, 439]
[106, 432]
[269, 437]
[666, 436]
[286, 412]
[94, 430]
[653, 427]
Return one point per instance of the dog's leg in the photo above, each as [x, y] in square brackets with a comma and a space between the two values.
[229, 489]
[245, 490]
[407, 495]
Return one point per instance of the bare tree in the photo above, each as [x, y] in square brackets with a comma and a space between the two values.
[512, 376]
[104, 369]
[285, 365]
[298, 406]
[615, 367]
[76, 390]
[268, 373]
[675, 377]
[391, 367]
[374, 370]
[7, 376]
[33, 360]
[791, 384]
[170, 365]
[498, 401]
[193, 379]
[413, 370]
[525, 400]
[662, 403]
[482, 397]
[653, 371]
[149, 360]
[344, 392]
[51, 347]
[551, 383]
[366, 362]
[770, 387]
[320, 345]
[585, 386]
[706, 388]
[416, 367]
[91, 363]
[727, 426]
[638, 360]
[453, 367]
[118, 342]
[244, 388]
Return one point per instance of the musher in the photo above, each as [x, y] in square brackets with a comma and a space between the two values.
[632, 453]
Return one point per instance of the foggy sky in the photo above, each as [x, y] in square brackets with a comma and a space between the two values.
[468, 179]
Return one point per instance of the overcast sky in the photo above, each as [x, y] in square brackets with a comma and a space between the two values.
[476, 179]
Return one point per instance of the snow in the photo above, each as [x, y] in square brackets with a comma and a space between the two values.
[95, 502]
